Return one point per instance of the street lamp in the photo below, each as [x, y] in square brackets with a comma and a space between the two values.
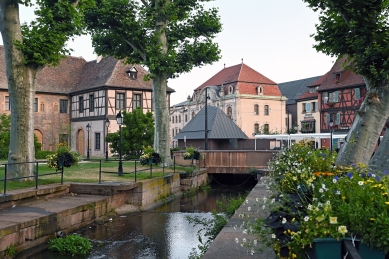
[331, 129]
[119, 119]
[296, 128]
[87, 150]
[106, 140]
[206, 120]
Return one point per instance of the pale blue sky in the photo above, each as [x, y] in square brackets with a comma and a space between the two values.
[272, 37]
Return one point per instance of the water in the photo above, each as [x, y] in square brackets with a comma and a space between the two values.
[161, 233]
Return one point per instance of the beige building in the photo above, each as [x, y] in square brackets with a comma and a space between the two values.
[252, 101]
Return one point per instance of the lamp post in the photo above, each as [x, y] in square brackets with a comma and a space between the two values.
[206, 120]
[119, 119]
[106, 140]
[331, 129]
[87, 149]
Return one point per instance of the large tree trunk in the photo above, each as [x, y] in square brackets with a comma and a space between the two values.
[21, 89]
[368, 123]
[161, 134]
[380, 159]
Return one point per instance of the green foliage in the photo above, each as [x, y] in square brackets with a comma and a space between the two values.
[357, 29]
[133, 30]
[5, 127]
[137, 133]
[56, 22]
[43, 154]
[71, 245]
[10, 251]
[229, 204]
[5, 131]
[63, 150]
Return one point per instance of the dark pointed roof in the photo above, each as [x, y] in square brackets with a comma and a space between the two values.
[219, 126]
[246, 78]
[294, 89]
[348, 78]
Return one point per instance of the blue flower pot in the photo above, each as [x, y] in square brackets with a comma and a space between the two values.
[326, 248]
[370, 253]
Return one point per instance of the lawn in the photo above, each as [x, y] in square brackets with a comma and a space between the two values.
[89, 172]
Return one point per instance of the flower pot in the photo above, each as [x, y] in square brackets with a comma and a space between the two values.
[371, 253]
[150, 161]
[189, 158]
[325, 248]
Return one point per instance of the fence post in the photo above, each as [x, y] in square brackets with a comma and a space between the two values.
[151, 170]
[174, 164]
[135, 170]
[5, 178]
[36, 176]
[62, 175]
[100, 172]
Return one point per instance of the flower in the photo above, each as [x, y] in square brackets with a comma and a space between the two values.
[342, 230]
[333, 220]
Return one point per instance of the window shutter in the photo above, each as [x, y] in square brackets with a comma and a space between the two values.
[326, 97]
[308, 106]
[327, 118]
[357, 93]
[337, 118]
[336, 96]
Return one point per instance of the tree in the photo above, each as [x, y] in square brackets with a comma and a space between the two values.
[359, 31]
[169, 37]
[137, 133]
[28, 48]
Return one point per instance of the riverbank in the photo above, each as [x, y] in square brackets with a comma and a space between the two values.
[29, 217]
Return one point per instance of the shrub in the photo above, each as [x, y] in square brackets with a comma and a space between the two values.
[68, 156]
[43, 154]
[71, 245]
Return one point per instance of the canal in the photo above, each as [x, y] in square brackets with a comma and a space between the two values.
[160, 233]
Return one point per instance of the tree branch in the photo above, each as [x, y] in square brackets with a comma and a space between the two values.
[139, 49]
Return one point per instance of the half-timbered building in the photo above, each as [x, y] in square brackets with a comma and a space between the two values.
[340, 95]
[77, 93]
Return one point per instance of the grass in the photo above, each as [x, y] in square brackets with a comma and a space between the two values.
[88, 172]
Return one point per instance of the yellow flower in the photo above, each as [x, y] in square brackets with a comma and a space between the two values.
[387, 202]
[342, 230]
[372, 218]
[343, 197]
[333, 220]
[320, 218]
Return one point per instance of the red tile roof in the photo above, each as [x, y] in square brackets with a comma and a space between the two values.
[246, 78]
[348, 78]
[308, 95]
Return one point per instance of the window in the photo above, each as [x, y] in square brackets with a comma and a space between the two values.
[120, 101]
[357, 93]
[91, 102]
[314, 106]
[132, 73]
[137, 101]
[308, 127]
[337, 121]
[63, 138]
[80, 104]
[266, 109]
[55, 107]
[176, 119]
[173, 133]
[256, 128]
[63, 106]
[42, 107]
[97, 140]
[186, 118]
[172, 119]
[7, 104]
[307, 107]
[266, 128]
[338, 77]
[328, 118]
[259, 90]
[193, 114]
[36, 105]
[229, 112]
[312, 89]
[256, 109]
[179, 118]
[333, 97]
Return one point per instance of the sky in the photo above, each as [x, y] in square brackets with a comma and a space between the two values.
[272, 37]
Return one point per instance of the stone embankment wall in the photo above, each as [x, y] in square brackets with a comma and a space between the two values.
[31, 217]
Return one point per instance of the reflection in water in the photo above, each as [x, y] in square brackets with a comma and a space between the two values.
[162, 233]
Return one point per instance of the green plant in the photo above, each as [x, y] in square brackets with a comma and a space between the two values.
[73, 244]
[64, 153]
[43, 154]
[10, 251]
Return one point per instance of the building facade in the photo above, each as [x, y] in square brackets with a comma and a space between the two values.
[77, 93]
[252, 101]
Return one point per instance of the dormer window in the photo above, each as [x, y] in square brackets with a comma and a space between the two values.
[259, 90]
[230, 89]
[132, 73]
[338, 77]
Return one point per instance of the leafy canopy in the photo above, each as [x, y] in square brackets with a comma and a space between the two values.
[56, 22]
[137, 133]
[357, 29]
[126, 29]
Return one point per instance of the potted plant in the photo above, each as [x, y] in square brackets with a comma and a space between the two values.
[314, 204]
[149, 156]
[191, 153]
[63, 156]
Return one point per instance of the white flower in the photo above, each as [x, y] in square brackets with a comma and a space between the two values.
[342, 229]
[256, 242]
[264, 199]
[244, 240]
[323, 186]
[273, 236]
[249, 208]
[245, 232]
[256, 199]
[334, 180]
[328, 202]
[338, 192]
[310, 207]
[321, 190]
[237, 240]
[306, 218]
[235, 227]
[320, 204]
[252, 252]
[283, 220]
[247, 201]
[360, 183]
[263, 207]
[273, 201]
